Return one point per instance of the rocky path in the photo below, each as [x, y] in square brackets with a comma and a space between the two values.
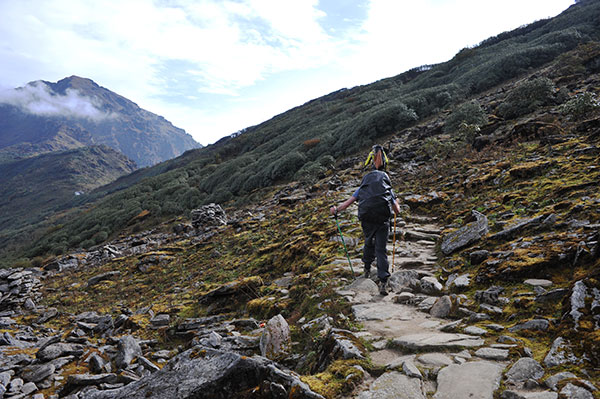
[426, 354]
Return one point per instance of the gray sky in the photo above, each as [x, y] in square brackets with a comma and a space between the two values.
[213, 67]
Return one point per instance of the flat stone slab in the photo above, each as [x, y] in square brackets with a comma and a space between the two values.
[478, 380]
[492, 353]
[380, 311]
[434, 341]
[538, 282]
[394, 385]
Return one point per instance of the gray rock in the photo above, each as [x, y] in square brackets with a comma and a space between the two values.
[60, 349]
[477, 257]
[490, 296]
[473, 330]
[434, 341]
[127, 349]
[36, 373]
[339, 344]
[409, 368]
[571, 391]
[442, 307]
[102, 277]
[492, 353]
[517, 228]
[430, 286]
[524, 369]
[29, 388]
[552, 296]
[451, 327]
[578, 301]
[534, 325]
[466, 235]
[459, 283]
[275, 340]
[160, 320]
[203, 373]
[552, 381]
[97, 364]
[364, 285]
[394, 385]
[5, 377]
[434, 360]
[148, 365]
[403, 279]
[76, 381]
[560, 353]
[478, 380]
[538, 282]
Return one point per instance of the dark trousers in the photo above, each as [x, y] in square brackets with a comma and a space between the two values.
[376, 236]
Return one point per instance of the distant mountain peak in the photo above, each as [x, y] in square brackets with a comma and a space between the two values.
[110, 119]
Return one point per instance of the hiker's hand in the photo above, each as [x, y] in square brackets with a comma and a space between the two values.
[333, 210]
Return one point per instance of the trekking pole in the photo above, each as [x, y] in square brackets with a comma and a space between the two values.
[344, 243]
[394, 250]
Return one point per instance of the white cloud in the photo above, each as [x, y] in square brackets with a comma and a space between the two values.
[36, 98]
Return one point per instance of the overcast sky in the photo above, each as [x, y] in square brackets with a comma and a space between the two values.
[213, 67]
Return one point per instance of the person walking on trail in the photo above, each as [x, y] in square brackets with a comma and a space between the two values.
[376, 201]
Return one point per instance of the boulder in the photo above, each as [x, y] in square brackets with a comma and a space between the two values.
[524, 369]
[203, 373]
[466, 235]
[127, 349]
[275, 341]
[443, 307]
[430, 286]
[60, 349]
[403, 279]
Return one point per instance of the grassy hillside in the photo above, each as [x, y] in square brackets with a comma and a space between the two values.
[33, 188]
[303, 142]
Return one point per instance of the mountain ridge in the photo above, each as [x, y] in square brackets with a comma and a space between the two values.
[95, 114]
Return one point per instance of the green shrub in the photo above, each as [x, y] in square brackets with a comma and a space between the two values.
[437, 148]
[310, 172]
[580, 105]
[469, 113]
[527, 97]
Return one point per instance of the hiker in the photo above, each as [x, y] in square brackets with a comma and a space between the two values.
[376, 200]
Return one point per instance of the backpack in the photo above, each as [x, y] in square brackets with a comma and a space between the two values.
[375, 197]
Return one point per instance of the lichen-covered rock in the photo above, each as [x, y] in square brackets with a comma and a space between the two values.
[560, 353]
[275, 340]
[466, 235]
[524, 369]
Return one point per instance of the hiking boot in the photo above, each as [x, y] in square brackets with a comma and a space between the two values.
[382, 289]
[367, 273]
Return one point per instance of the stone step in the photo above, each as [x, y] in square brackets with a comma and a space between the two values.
[436, 341]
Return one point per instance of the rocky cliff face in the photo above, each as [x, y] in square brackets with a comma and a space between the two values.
[76, 112]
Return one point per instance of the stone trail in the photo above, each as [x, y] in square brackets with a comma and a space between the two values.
[424, 356]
